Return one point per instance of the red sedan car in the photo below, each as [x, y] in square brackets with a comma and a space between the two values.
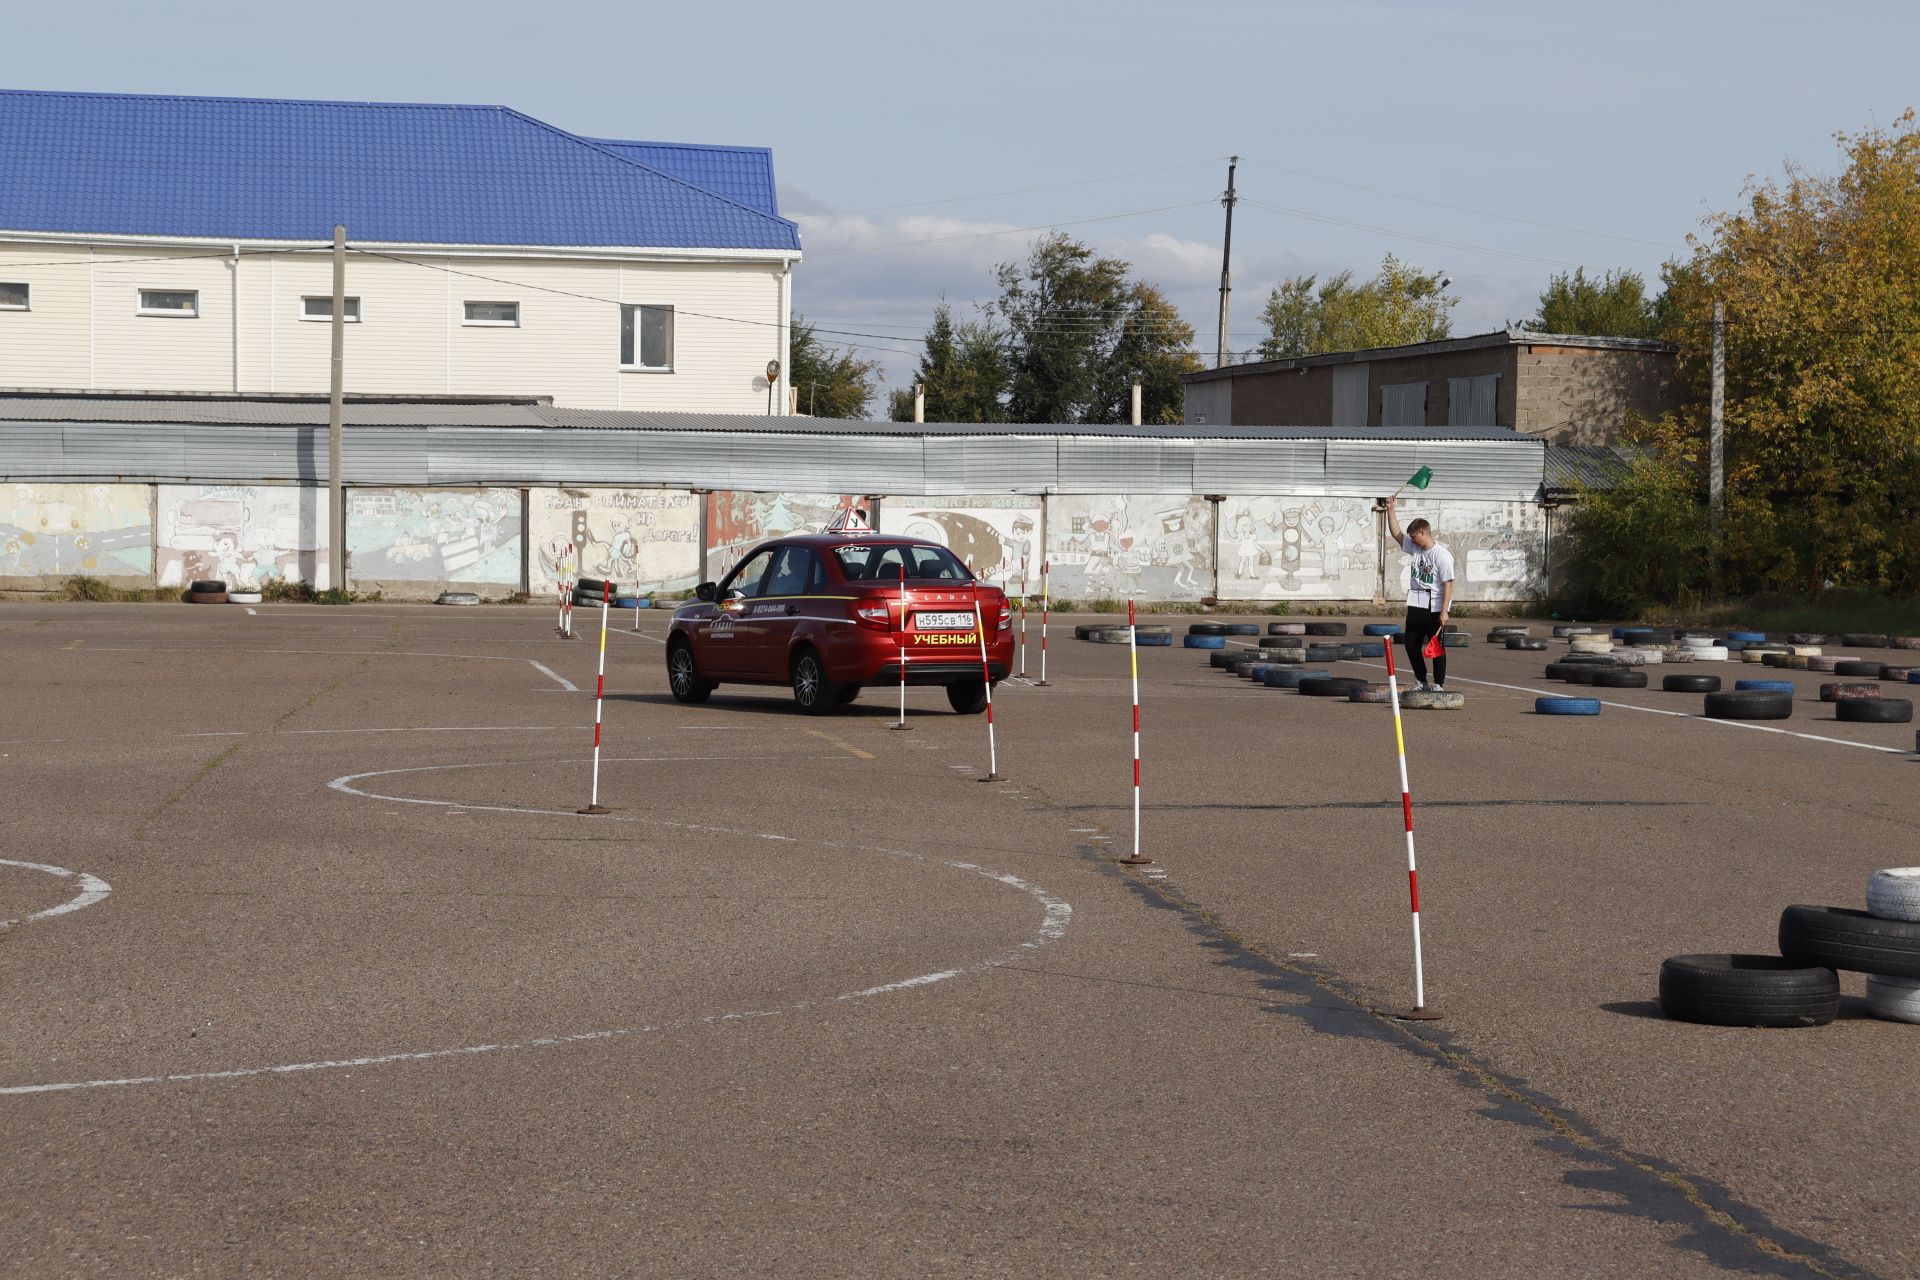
[832, 613]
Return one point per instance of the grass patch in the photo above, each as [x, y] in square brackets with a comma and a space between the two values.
[81, 588]
[1828, 611]
[278, 591]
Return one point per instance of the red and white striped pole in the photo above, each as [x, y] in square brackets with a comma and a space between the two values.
[599, 698]
[903, 650]
[1046, 605]
[1419, 1012]
[986, 675]
[1023, 617]
[1133, 656]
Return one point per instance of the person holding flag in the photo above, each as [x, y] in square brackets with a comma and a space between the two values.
[1429, 596]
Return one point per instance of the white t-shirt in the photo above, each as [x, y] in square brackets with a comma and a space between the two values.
[1432, 569]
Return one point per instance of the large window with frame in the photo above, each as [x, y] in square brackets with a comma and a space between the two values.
[13, 296]
[646, 338]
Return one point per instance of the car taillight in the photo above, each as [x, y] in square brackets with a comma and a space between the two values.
[872, 615]
[1006, 618]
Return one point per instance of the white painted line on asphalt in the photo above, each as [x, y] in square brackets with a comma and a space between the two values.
[252, 613]
[1057, 914]
[92, 889]
[1658, 711]
[640, 635]
[553, 675]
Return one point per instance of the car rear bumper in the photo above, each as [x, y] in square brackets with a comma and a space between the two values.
[934, 672]
[873, 658]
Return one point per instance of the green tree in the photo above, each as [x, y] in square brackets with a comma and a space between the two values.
[1612, 305]
[964, 370]
[1820, 276]
[1080, 330]
[831, 383]
[1400, 304]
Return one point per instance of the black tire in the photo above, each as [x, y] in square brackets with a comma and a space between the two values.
[1842, 938]
[1329, 686]
[1326, 628]
[813, 693]
[1207, 629]
[1590, 660]
[1749, 704]
[206, 597]
[843, 694]
[1857, 667]
[1748, 991]
[1243, 628]
[207, 586]
[591, 586]
[968, 697]
[1624, 678]
[683, 681]
[1528, 643]
[1874, 711]
[1323, 653]
[1350, 653]
[1455, 640]
[1225, 659]
[1690, 684]
[1858, 640]
[1558, 671]
[1581, 672]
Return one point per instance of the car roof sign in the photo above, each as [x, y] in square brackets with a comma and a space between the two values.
[849, 520]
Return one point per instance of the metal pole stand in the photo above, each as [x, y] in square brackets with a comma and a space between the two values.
[1133, 657]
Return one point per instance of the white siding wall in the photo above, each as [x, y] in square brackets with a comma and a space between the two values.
[411, 338]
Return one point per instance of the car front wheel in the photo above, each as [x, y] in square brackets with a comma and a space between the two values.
[683, 678]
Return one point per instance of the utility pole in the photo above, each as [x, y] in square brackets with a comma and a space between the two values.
[336, 490]
[1226, 263]
[1717, 428]
[1136, 402]
[919, 402]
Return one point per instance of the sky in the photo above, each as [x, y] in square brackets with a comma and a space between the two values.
[919, 145]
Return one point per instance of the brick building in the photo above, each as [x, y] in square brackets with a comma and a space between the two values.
[1567, 389]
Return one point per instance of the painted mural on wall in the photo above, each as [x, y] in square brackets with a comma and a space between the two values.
[243, 535]
[1157, 547]
[996, 534]
[738, 521]
[649, 538]
[1293, 548]
[434, 535]
[58, 530]
[1499, 548]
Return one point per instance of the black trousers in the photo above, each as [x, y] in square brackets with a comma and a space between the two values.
[1421, 626]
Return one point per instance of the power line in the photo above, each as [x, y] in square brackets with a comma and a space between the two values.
[1404, 235]
[1008, 231]
[1018, 191]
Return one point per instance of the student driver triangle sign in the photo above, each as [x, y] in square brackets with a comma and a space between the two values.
[849, 520]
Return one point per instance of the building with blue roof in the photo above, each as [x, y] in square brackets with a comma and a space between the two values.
[183, 244]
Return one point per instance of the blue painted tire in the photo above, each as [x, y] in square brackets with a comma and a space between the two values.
[1290, 677]
[1243, 629]
[1371, 649]
[629, 602]
[1764, 686]
[1205, 642]
[1154, 640]
[1566, 706]
[1381, 629]
[1748, 637]
[1913, 677]
[1323, 653]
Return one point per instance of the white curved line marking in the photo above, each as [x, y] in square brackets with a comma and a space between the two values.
[1056, 915]
[92, 889]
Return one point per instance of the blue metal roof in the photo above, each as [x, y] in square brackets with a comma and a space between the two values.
[266, 169]
[744, 174]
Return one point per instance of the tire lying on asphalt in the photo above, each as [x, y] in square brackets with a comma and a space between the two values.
[1329, 686]
[1863, 640]
[1805, 637]
[1604, 679]
[1903, 642]
[1204, 642]
[1432, 700]
[1156, 639]
[1225, 661]
[1712, 653]
[1292, 653]
[1207, 629]
[1566, 706]
[1842, 938]
[1107, 635]
[1369, 649]
[254, 597]
[207, 586]
[1897, 999]
[1874, 711]
[1290, 677]
[1243, 628]
[1501, 633]
[1560, 670]
[1084, 629]
[1286, 628]
[1381, 629]
[1838, 692]
[1527, 643]
[1748, 991]
[1894, 894]
[1370, 693]
[1581, 673]
[1455, 640]
[1323, 653]
[1749, 704]
[1748, 637]
[206, 597]
[1764, 686]
[1326, 628]
[1690, 684]
[457, 597]
[1565, 631]
[1857, 667]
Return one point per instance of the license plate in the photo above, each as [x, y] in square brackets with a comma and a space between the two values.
[943, 621]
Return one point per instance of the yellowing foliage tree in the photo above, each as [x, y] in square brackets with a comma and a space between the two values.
[1821, 280]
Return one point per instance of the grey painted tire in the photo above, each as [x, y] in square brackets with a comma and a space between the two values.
[1894, 894]
[1428, 700]
[1107, 635]
[457, 597]
[1896, 999]
[1841, 692]
[1371, 693]
[1526, 643]
[1564, 632]
[1286, 628]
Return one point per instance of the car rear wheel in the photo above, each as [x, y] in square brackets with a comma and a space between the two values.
[968, 697]
[813, 693]
[682, 676]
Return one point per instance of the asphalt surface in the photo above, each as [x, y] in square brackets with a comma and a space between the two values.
[367, 997]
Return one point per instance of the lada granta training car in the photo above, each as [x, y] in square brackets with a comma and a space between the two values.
[830, 614]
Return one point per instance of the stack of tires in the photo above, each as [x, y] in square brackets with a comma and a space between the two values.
[1206, 635]
[591, 591]
[208, 591]
[1800, 987]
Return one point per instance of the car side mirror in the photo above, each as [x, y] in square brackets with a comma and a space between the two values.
[705, 591]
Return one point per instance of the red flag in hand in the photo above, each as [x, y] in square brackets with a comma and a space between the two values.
[1433, 648]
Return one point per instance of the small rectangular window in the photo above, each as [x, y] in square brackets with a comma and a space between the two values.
[13, 297]
[500, 314]
[321, 308]
[169, 302]
[646, 337]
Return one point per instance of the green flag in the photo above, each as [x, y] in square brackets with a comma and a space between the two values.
[1421, 478]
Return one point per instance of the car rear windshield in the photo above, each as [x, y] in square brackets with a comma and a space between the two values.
[861, 563]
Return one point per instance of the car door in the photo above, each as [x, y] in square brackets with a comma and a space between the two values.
[776, 611]
[727, 639]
